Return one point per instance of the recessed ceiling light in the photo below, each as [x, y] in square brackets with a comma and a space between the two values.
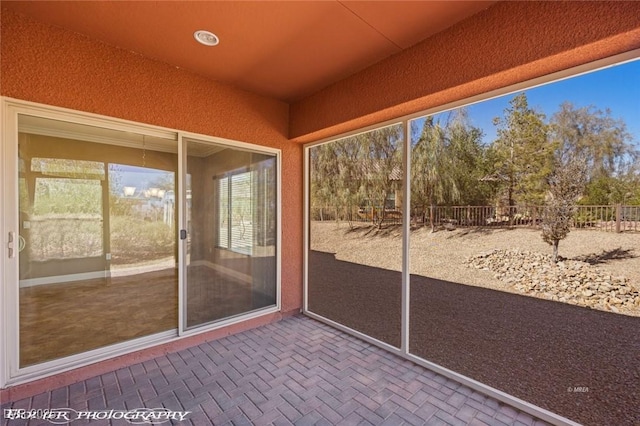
[206, 37]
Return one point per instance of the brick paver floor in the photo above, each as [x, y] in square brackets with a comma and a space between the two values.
[297, 371]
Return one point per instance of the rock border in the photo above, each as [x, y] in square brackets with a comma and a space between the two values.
[569, 281]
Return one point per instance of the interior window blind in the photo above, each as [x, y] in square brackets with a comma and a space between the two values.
[236, 207]
[241, 213]
[223, 212]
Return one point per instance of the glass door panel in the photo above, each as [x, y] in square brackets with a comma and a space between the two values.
[231, 241]
[97, 247]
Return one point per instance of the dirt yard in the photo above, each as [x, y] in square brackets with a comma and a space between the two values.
[444, 254]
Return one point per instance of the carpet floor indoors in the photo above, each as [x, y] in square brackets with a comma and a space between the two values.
[58, 320]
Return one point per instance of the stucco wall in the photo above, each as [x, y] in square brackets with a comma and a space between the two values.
[506, 44]
[41, 63]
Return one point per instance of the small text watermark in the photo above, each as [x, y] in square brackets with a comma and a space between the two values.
[578, 389]
[137, 416]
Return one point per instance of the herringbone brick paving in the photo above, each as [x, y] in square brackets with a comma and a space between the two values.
[296, 371]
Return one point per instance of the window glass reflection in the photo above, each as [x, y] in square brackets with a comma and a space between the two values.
[97, 239]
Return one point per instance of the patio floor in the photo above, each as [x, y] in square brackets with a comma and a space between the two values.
[296, 371]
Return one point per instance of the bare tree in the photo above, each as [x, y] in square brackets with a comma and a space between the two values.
[566, 185]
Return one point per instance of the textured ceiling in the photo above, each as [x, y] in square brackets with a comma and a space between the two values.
[284, 50]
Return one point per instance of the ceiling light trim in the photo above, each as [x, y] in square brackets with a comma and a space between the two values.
[206, 37]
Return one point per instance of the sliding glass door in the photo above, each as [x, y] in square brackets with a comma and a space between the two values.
[96, 239]
[231, 232]
[119, 236]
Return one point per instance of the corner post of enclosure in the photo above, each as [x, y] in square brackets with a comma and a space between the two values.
[406, 227]
[305, 234]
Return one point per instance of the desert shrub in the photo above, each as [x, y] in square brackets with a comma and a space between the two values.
[63, 237]
[133, 239]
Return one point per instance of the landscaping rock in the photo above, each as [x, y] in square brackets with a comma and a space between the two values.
[569, 281]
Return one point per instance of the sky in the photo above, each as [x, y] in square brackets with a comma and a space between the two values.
[139, 177]
[616, 88]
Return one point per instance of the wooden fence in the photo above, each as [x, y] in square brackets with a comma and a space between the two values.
[611, 218]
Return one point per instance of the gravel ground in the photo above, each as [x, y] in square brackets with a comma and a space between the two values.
[444, 254]
[581, 363]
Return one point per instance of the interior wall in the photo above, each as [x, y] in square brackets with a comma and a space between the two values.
[46, 64]
[506, 44]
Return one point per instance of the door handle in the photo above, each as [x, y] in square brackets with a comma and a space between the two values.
[11, 245]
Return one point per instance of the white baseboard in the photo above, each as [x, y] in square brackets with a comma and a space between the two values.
[57, 279]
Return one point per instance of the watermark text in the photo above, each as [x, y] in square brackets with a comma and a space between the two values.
[152, 416]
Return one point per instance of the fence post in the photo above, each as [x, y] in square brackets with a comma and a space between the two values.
[618, 217]
[534, 211]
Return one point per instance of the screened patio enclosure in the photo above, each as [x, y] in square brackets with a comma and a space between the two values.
[476, 300]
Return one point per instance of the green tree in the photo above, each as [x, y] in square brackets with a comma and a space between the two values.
[323, 170]
[432, 178]
[382, 167]
[606, 190]
[336, 176]
[631, 189]
[606, 146]
[358, 169]
[603, 141]
[468, 158]
[522, 153]
[348, 182]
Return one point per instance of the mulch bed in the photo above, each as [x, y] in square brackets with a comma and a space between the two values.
[580, 363]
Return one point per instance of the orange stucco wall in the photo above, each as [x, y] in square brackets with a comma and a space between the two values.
[508, 43]
[49, 65]
[44, 64]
